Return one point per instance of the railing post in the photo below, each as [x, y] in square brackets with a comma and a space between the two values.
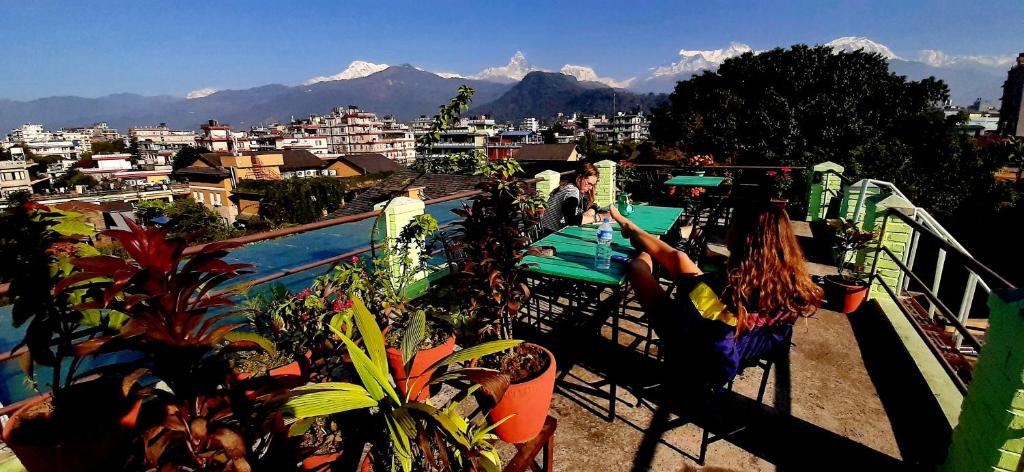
[988, 435]
[604, 194]
[824, 190]
[548, 182]
[894, 235]
[851, 207]
[400, 211]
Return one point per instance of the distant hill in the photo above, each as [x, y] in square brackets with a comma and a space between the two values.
[543, 94]
[403, 91]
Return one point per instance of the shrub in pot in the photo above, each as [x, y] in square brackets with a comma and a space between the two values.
[63, 430]
[494, 235]
[414, 345]
[402, 431]
[195, 414]
[846, 290]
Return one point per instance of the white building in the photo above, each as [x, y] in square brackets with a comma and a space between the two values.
[14, 177]
[468, 135]
[217, 137]
[354, 131]
[529, 124]
[29, 133]
[619, 128]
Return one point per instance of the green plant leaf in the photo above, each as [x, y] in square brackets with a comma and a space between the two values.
[375, 380]
[454, 432]
[372, 337]
[415, 330]
[254, 338]
[323, 400]
[399, 443]
[476, 352]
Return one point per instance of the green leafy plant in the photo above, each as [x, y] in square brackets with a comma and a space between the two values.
[494, 235]
[415, 432]
[37, 245]
[848, 240]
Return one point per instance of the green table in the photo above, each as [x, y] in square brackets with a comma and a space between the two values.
[574, 261]
[694, 181]
[653, 219]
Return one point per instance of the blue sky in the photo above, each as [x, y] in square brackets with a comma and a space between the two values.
[102, 47]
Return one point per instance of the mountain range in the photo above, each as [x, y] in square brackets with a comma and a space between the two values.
[406, 91]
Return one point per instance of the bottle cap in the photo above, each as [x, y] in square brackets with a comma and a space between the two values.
[607, 220]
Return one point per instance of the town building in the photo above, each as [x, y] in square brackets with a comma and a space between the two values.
[529, 124]
[82, 141]
[504, 144]
[216, 137]
[619, 128]
[547, 152]
[29, 133]
[153, 141]
[97, 132]
[214, 177]
[354, 131]
[14, 177]
[1011, 115]
[467, 136]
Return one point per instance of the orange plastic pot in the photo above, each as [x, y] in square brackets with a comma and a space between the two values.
[95, 440]
[529, 402]
[418, 377]
[844, 297]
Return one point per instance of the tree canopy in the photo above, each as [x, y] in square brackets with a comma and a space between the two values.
[186, 156]
[805, 105]
[108, 147]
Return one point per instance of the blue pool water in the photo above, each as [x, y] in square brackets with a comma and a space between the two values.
[268, 257]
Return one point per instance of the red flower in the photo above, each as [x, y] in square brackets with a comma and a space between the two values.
[341, 304]
[355, 259]
[303, 294]
[771, 173]
[786, 169]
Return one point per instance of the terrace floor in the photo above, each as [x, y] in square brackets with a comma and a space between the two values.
[848, 398]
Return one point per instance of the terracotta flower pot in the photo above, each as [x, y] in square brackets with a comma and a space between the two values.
[780, 202]
[94, 439]
[319, 461]
[529, 401]
[419, 377]
[843, 296]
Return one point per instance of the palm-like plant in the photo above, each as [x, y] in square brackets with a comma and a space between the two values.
[416, 431]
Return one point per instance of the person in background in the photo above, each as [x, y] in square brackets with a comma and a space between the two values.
[712, 324]
[572, 204]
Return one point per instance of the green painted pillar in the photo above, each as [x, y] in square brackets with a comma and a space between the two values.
[548, 182]
[896, 238]
[398, 214]
[824, 186]
[605, 191]
[851, 195]
[990, 433]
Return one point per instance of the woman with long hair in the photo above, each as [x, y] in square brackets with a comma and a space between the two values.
[573, 203]
[713, 322]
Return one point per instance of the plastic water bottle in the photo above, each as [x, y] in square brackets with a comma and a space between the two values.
[603, 254]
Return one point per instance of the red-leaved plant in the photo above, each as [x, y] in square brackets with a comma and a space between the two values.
[200, 418]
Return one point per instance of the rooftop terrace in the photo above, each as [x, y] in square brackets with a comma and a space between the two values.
[881, 388]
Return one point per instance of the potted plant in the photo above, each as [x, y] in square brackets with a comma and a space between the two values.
[401, 430]
[846, 290]
[62, 429]
[195, 414]
[494, 237]
[409, 363]
[780, 183]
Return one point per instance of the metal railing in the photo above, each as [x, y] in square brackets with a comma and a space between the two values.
[962, 334]
[922, 219]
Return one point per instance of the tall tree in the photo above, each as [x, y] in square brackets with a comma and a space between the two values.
[804, 105]
[186, 156]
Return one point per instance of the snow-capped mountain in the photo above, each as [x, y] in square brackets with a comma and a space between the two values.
[663, 78]
[937, 58]
[354, 70]
[696, 61]
[584, 73]
[854, 43]
[203, 92]
[514, 71]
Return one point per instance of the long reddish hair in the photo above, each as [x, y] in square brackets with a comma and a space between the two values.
[767, 281]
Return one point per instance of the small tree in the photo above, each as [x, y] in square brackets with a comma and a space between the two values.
[186, 156]
[494, 235]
